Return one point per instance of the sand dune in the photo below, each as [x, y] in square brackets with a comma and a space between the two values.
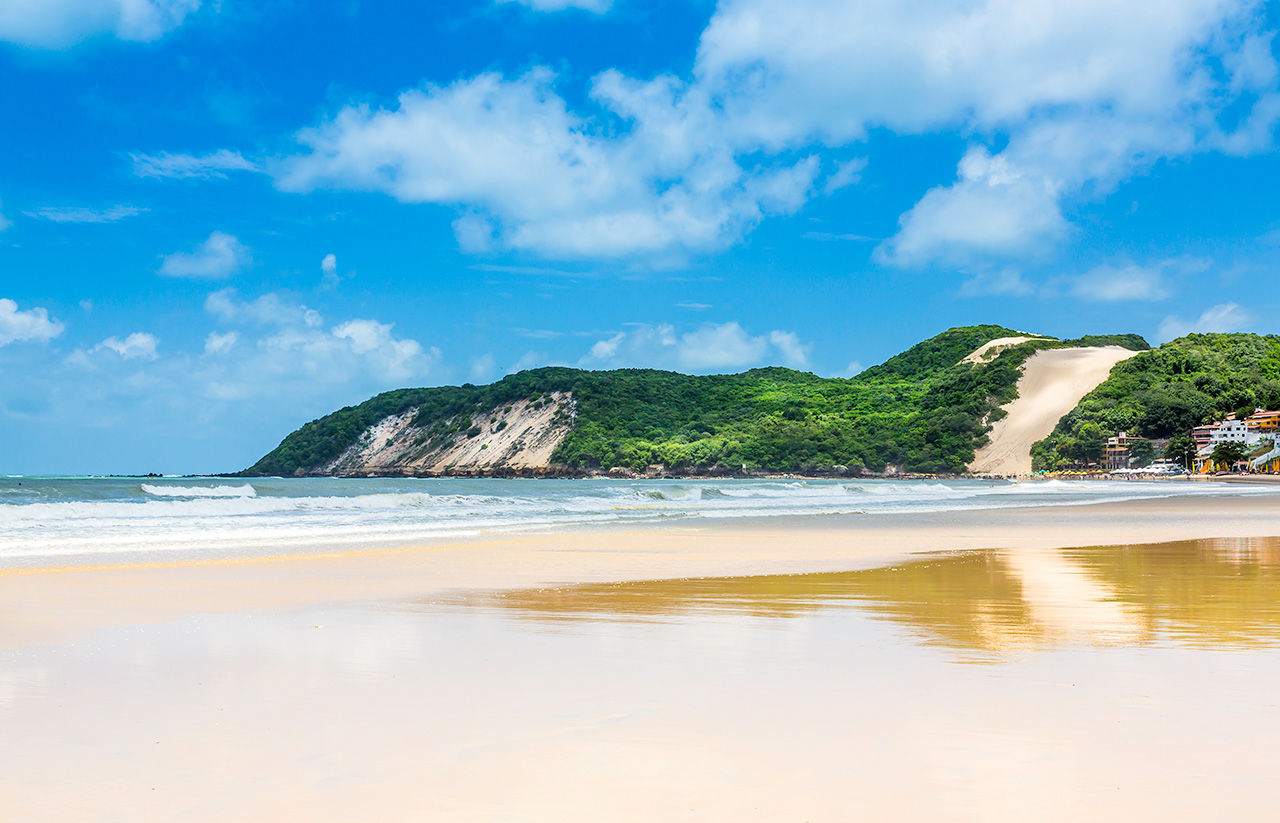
[1052, 383]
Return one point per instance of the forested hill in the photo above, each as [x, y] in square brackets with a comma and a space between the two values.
[922, 410]
[1164, 392]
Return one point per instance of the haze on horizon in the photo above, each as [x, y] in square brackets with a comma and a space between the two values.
[219, 220]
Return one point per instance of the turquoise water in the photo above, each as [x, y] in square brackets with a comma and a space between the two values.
[81, 519]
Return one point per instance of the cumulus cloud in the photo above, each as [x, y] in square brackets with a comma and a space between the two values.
[1084, 93]
[1077, 96]
[267, 309]
[137, 346]
[221, 256]
[994, 209]
[709, 347]
[220, 342]
[185, 166]
[111, 214]
[1225, 317]
[298, 346]
[53, 24]
[329, 271]
[529, 174]
[29, 325]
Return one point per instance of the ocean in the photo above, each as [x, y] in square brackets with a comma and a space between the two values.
[86, 520]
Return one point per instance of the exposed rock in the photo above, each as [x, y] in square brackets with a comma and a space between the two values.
[516, 439]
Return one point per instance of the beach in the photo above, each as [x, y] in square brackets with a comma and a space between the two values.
[1111, 660]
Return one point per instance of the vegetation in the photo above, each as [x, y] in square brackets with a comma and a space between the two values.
[1228, 454]
[1165, 392]
[921, 410]
[1142, 453]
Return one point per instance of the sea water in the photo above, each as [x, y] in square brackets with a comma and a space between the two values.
[60, 520]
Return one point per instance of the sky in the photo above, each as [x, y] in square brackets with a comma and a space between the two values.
[220, 220]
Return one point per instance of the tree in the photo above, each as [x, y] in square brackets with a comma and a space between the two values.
[1141, 452]
[1182, 449]
[1228, 453]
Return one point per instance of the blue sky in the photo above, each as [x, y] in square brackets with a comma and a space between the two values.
[219, 220]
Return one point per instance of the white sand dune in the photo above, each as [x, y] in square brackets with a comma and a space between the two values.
[1052, 383]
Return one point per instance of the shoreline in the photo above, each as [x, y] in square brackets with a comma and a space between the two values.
[54, 603]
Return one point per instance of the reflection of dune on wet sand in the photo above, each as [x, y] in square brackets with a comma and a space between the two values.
[1196, 591]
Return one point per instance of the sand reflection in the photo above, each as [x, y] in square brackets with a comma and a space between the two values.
[1197, 592]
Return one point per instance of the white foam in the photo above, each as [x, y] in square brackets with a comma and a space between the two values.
[208, 520]
[200, 491]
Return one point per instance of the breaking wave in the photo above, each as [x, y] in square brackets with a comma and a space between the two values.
[78, 517]
[200, 491]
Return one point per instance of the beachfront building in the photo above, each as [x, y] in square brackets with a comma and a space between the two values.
[1233, 430]
[1116, 455]
[1263, 422]
[1203, 434]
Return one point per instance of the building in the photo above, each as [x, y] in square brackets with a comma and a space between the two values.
[1203, 434]
[1230, 430]
[1263, 422]
[1116, 455]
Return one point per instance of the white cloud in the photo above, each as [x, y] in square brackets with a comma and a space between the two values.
[329, 277]
[794, 353]
[61, 23]
[221, 256]
[1109, 283]
[1086, 94]
[597, 6]
[850, 370]
[220, 342]
[1225, 317]
[111, 214]
[707, 348]
[994, 209]
[482, 369]
[357, 351]
[531, 175]
[846, 174]
[266, 309]
[1079, 96]
[4, 223]
[30, 325]
[181, 166]
[137, 346]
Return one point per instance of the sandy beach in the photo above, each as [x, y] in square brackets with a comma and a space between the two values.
[894, 667]
[44, 604]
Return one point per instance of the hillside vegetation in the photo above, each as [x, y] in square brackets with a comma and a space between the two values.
[1166, 391]
[921, 410]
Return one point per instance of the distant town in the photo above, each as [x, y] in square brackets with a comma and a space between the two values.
[1235, 445]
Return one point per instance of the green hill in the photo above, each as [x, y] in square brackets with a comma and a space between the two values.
[922, 410]
[1166, 391]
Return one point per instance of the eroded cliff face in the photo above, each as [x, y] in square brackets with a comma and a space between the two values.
[519, 436]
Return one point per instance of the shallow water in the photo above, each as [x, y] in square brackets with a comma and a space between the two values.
[1112, 683]
[47, 521]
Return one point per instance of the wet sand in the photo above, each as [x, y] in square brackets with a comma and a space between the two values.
[984, 667]
[44, 605]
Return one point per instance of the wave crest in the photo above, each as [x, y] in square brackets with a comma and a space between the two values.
[200, 491]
